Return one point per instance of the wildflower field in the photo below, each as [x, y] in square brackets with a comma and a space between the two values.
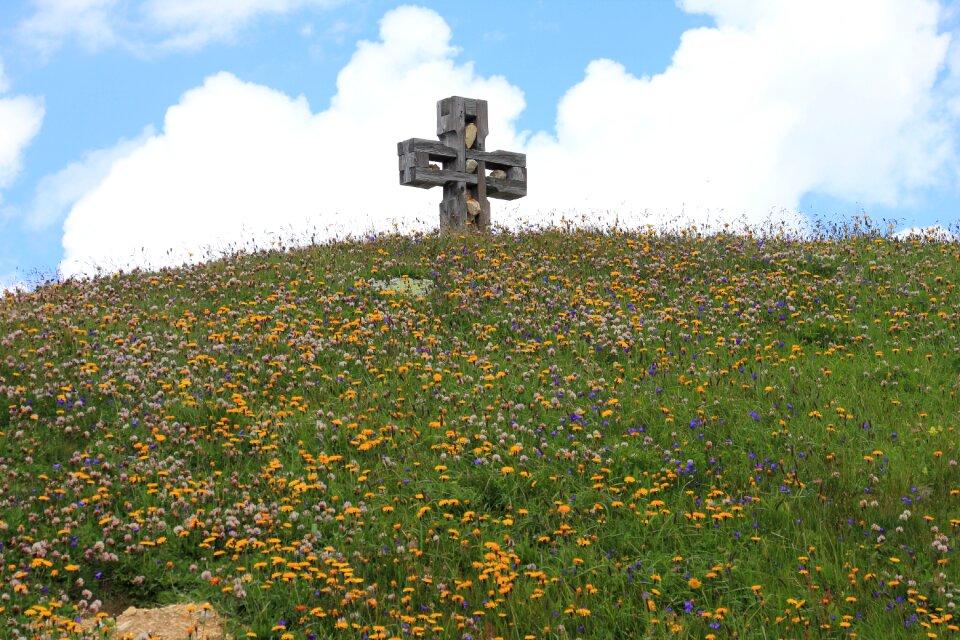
[546, 435]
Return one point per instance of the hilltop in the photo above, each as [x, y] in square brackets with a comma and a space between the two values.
[543, 434]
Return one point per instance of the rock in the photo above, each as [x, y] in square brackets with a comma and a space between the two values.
[498, 174]
[434, 167]
[473, 208]
[470, 135]
[471, 166]
[174, 622]
[404, 285]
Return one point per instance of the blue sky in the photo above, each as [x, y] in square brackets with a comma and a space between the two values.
[147, 132]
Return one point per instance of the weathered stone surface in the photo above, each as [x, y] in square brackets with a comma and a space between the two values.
[471, 166]
[499, 174]
[473, 208]
[470, 135]
[416, 287]
[174, 622]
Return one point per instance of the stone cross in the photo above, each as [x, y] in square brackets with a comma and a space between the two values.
[468, 174]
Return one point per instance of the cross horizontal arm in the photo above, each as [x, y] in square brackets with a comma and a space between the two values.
[426, 177]
[498, 159]
[416, 154]
[435, 150]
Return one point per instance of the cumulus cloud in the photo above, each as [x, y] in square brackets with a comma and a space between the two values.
[748, 118]
[20, 120]
[55, 194]
[11, 283]
[148, 25]
[935, 233]
[237, 160]
[194, 23]
[92, 22]
[777, 100]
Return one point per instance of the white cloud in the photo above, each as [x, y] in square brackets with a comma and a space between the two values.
[779, 99]
[950, 95]
[748, 118]
[238, 160]
[194, 23]
[148, 26]
[10, 283]
[92, 22]
[935, 233]
[20, 120]
[55, 194]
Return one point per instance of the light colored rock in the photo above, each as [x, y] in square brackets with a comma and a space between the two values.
[498, 174]
[473, 208]
[434, 167]
[471, 166]
[405, 285]
[470, 135]
[174, 622]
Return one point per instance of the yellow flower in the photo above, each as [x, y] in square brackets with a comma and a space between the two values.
[694, 583]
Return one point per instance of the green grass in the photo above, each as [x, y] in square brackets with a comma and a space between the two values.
[590, 434]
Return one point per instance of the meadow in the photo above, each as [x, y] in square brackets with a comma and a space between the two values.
[548, 434]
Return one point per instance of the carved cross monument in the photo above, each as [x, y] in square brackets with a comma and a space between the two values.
[468, 174]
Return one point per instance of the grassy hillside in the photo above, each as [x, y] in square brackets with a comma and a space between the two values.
[560, 435]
